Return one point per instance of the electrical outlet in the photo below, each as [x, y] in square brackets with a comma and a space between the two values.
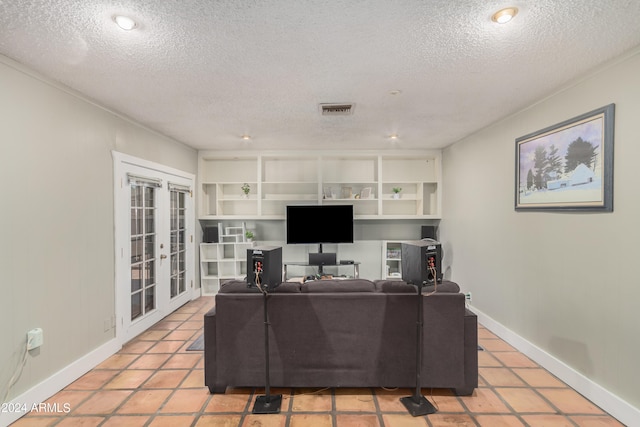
[468, 296]
[34, 338]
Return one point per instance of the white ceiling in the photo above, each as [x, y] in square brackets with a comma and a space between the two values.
[206, 72]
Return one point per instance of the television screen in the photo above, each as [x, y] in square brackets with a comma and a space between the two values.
[320, 224]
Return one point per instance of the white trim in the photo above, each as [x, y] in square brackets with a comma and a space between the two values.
[136, 161]
[56, 382]
[614, 405]
[124, 162]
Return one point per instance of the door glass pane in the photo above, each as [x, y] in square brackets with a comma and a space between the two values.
[177, 237]
[149, 246]
[182, 287]
[181, 240]
[143, 239]
[174, 286]
[174, 241]
[174, 264]
[181, 219]
[136, 196]
[173, 210]
[136, 221]
[149, 221]
[136, 277]
[149, 196]
[136, 249]
[150, 299]
[149, 273]
[136, 305]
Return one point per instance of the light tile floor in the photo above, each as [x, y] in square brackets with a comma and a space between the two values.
[154, 381]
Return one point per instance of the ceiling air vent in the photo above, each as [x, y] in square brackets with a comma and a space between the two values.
[343, 109]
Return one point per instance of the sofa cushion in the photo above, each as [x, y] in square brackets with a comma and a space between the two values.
[240, 287]
[287, 288]
[348, 285]
[401, 287]
[236, 287]
[394, 287]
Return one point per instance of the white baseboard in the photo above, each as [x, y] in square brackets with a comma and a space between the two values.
[614, 405]
[56, 382]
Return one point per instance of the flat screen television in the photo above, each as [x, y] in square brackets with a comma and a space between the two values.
[319, 224]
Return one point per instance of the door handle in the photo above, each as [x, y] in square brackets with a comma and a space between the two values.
[163, 256]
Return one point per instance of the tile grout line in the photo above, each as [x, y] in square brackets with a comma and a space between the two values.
[376, 404]
[122, 365]
[519, 414]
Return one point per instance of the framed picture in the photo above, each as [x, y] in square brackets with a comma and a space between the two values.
[365, 193]
[567, 166]
[346, 193]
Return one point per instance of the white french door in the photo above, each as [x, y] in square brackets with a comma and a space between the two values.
[154, 243]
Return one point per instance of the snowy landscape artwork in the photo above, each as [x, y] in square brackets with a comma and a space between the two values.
[568, 165]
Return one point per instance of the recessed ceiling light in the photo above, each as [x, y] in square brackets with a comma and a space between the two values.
[395, 92]
[246, 137]
[125, 22]
[393, 137]
[504, 15]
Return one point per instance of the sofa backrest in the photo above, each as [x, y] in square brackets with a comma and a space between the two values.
[342, 286]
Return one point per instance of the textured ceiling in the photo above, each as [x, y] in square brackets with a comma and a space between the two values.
[206, 72]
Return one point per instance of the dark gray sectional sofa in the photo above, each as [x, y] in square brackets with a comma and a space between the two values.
[340, 333]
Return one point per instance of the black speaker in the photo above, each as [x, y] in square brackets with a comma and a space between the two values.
[322, 258]
[429, 232]
[419, 260]
[210, 235]
[264, 266]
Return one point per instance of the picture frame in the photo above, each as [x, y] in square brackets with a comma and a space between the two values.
[567, 166]
[365, 193]
[346, 193]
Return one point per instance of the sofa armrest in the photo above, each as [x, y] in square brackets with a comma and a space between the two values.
[210, 371]
[470, 353]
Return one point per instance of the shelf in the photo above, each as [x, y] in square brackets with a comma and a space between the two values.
[278, 179]
[349, 200]
[392, 264]
[222, 261]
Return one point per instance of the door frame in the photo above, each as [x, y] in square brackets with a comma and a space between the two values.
[121, 162]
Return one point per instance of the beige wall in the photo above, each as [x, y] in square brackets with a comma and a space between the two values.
[565, 282]
[56, 217]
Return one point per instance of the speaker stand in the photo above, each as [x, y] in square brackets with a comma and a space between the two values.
[267, 404]
[417, 405]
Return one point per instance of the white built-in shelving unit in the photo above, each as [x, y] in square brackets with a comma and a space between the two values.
[224, 260]
[392, 257]
[278, 179]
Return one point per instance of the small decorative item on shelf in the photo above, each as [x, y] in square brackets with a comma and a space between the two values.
[328, 193]
[365, 193]
[393, 253]
[249, 235]
[245, 190]
[396, 192]
[346, 193]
